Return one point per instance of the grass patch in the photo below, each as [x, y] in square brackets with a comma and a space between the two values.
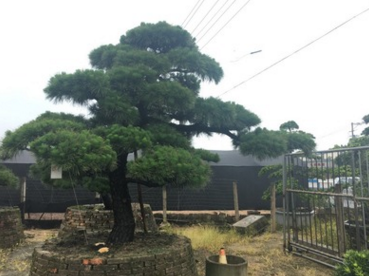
[7, 262]
[3, 258]
[210, 238]
[264, 253]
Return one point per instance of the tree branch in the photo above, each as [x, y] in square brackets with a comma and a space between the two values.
[198, 128]
[142, 182]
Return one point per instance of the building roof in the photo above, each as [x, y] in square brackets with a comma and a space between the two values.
[23, 157]
[235, 158]
[227, 158]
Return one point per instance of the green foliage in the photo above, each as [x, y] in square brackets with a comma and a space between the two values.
[142, 95]
[223, 115]
[300, 140]
[263, 143]
[77, 153]
[355, 264]
[359, 141]
[165, 135]
[206, 155]
[165, 164]
[79, 87]
[365, 132]
[293, 140]
[366, 119]
[124, 139]
[275, 174]
[7, 177]
[48, 122]
[272, 173]
[289, 126]
[159, 38]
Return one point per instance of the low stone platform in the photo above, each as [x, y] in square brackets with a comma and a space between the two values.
[11, 229]
[94, 218]
[149, 255]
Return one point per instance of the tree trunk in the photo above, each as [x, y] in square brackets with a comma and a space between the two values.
[124, 224]
[106, 199]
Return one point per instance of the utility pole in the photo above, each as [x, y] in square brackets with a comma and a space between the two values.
[353, 128]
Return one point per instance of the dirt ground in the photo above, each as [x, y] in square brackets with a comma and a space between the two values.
[264, 255]
[16, 261]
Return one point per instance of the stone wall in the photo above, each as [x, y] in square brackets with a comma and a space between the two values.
[178, 260]
[189, 218]
[94, 219]
[11, 229]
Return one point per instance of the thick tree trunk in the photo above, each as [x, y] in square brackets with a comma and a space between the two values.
[124, 224]
[106, 199]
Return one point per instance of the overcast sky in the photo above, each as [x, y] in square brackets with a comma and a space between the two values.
[312, 69]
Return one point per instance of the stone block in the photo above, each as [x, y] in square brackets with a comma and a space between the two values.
[251, 225]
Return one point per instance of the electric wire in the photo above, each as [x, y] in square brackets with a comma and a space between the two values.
[205, 16]
[189, 20]
[211, 19]
[190, 12]
[225, 24]
[293, 53]
[217, 20]
[343, 129]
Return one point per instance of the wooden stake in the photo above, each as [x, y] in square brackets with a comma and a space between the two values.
[165, 220]
[235, 199]
[272, 208]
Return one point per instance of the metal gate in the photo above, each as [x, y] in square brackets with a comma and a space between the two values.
[326, 203]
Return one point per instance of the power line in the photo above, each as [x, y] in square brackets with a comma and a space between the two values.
[293, 53]
[333, 132]
[211, 19]
[205, 16]
[190, 12]
[217, 20]
[225, 24]
[193, 12]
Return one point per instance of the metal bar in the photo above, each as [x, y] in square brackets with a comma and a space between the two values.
[362, 205]
[313, 259]
[284, 202]
[317, 252]
[340, 226]
[329, 151]
[320, 193]
[362, 198]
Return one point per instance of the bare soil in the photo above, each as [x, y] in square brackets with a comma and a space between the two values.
[16, 261]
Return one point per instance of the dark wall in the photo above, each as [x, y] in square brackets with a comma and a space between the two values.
[217, 195]
[41, 198]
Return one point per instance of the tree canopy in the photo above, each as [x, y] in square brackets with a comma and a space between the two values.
[7, 177]
[143, 97]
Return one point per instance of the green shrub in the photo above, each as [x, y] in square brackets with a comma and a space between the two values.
[356, 263]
